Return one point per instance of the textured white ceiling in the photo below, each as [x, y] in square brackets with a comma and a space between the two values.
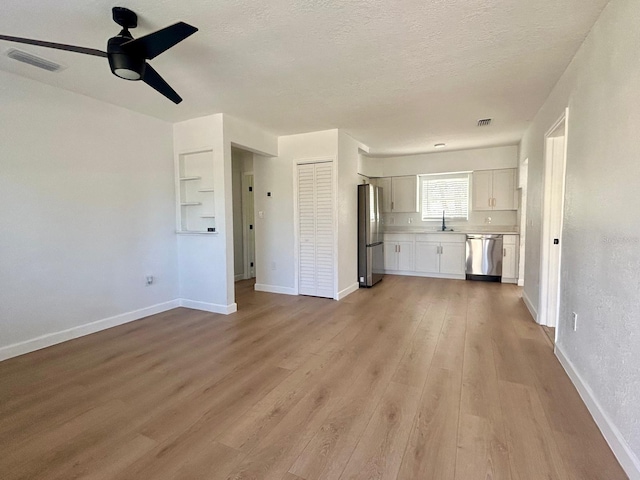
[397, 75]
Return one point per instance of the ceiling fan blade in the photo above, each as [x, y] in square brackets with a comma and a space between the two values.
[152, 45]
[59, 46]
[154, 80]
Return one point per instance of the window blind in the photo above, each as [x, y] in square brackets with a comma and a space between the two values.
[448, 193]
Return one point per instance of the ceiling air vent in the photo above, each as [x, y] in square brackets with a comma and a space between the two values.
[485, 122]
[34, 60]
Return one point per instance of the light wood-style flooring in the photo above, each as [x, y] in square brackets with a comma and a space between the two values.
[413, 379]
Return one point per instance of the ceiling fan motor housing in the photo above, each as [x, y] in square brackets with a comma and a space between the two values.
[123, 64]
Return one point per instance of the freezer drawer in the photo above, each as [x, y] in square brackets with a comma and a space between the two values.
[484, 257]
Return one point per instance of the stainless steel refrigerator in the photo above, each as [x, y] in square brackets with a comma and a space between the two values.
[370, 247]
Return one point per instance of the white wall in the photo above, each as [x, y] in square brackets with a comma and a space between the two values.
[601, 234]
[347, 211]
[442, 162]
[275, 262]
[445, 162]
[202, 259]
[87, 210]
[206, 262]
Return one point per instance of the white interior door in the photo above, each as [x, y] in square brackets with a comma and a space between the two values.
[550, 264]
[315, 230]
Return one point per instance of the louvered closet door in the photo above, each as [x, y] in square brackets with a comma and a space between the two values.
[315, 224]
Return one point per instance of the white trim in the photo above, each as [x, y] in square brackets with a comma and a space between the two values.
[529, 305]
[545, 233]
[347, 291]
[240, 276]
[245, 224]
[261, 287]
[407, 273]
[521, 282]
[209, 307]
[628, 460]
[54, 338]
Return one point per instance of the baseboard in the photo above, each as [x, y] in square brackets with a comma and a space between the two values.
[347, 291]
[261, 287]
[448, 276]
[54, 338]
[521, 282]
[628, 460]
[530, 306]
[239, 276]
[209, 307]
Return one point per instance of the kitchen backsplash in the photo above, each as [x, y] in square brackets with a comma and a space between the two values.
[499, 221]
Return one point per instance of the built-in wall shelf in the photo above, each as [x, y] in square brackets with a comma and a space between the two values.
[195, 198]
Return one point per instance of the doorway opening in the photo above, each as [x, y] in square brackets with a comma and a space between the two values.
[244, 251]
[555, 159]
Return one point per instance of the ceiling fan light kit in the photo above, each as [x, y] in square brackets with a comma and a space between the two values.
[128, 56]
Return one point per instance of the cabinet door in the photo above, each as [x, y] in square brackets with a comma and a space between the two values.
[504, 189]
[390, 256]
[427, 257]
[385, 184]
[404, 194]
[452, 258]
[315, 230]
[482, 189]
[405, 256]
[509, 265]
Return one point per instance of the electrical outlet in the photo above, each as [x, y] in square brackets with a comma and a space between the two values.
[149, 279]
[410, 220]
[575, 321]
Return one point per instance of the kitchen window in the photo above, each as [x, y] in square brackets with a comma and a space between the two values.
[448, 193]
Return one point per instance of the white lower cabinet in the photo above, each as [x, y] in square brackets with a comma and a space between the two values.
[510, 247]
[440, 253]
[429, 255]
[452, 258]
[398, 252]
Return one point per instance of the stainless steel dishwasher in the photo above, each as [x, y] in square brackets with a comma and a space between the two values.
[484, 257]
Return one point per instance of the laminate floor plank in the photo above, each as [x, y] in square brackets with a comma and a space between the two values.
[416, 378]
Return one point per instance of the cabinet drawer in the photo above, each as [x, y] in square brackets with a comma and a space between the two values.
[441, 237]
[399, 237]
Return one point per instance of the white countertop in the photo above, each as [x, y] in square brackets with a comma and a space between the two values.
[459, 232]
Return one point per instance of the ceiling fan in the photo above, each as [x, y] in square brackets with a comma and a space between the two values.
[128, 56]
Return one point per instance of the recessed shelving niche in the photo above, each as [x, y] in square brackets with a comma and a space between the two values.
[195, 194]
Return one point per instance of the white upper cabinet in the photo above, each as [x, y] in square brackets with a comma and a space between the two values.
[404, 192]
[385, 184]
[399, 194]
[494, 189]
[504, 189]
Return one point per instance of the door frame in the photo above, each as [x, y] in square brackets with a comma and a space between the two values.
[547, 314]
[245, 226]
